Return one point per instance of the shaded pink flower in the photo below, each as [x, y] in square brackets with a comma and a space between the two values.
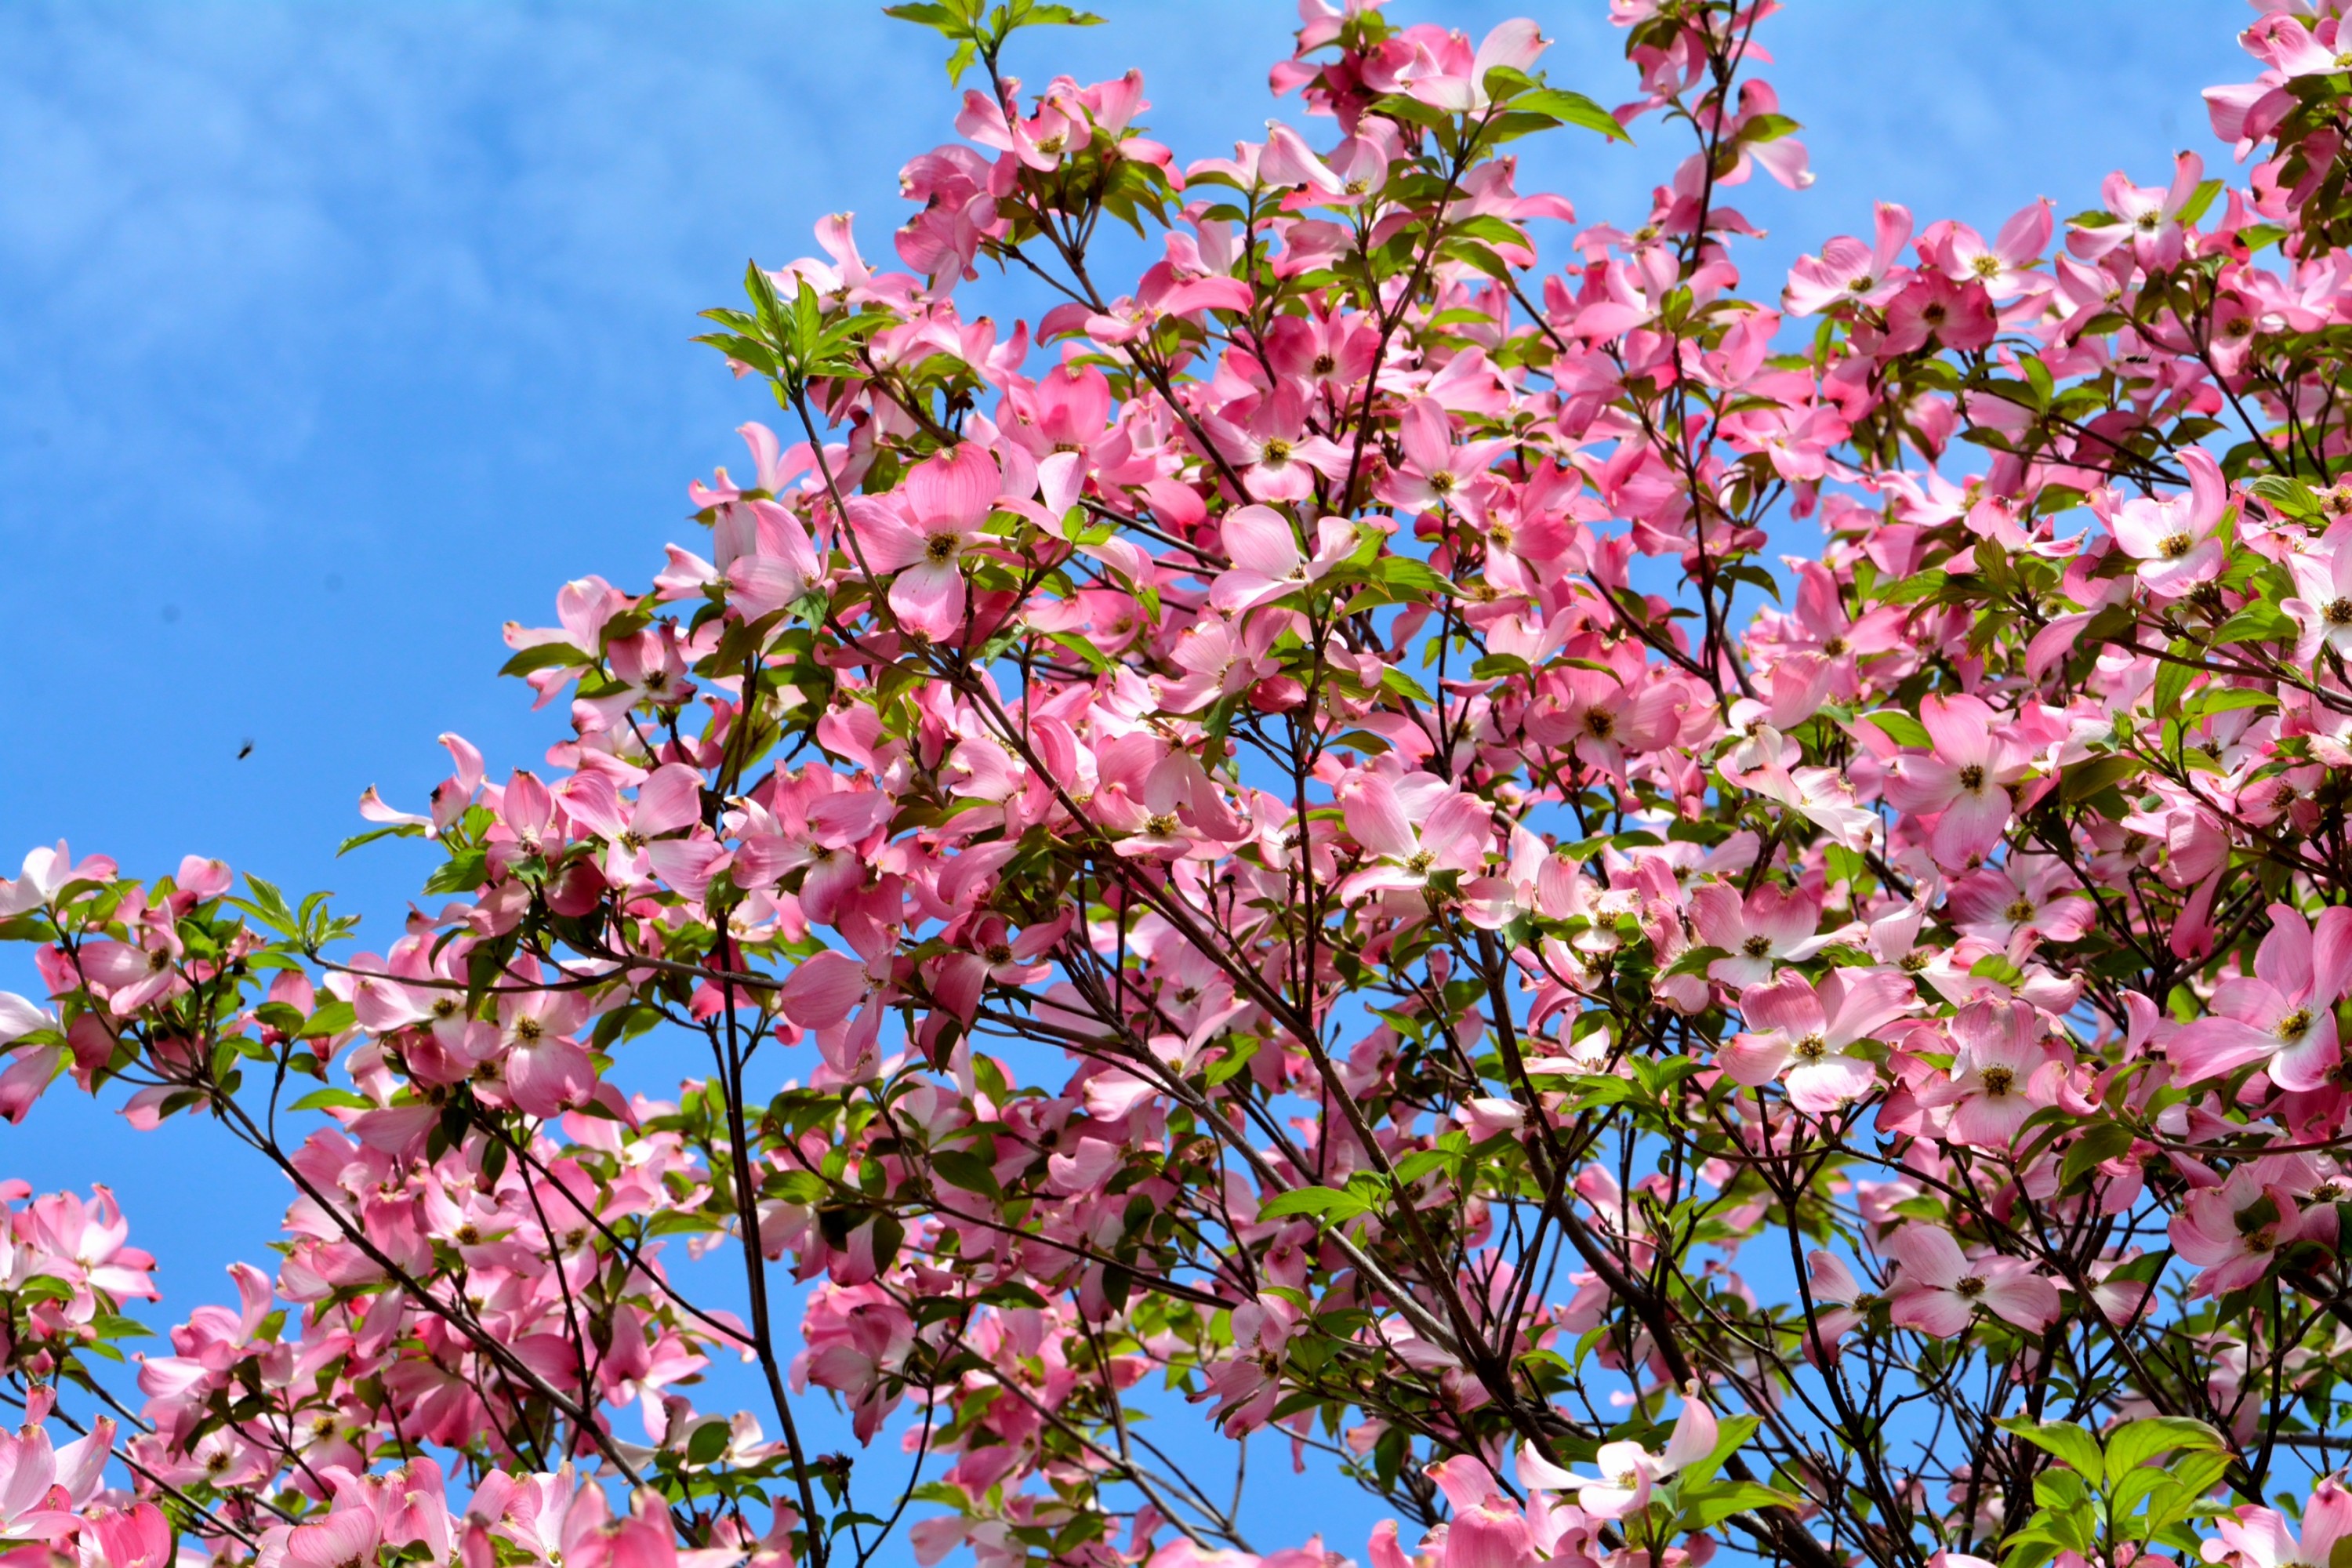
[1938, 1287]
[2283, 1014]
[2234, 1232]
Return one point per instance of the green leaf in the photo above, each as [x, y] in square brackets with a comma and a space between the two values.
[1703, 1507]
[708, 1441]
[396, 830]
[2134, 1443]
[545, 655]
[1322, 1202]
[1571, 108]
[332, 1099]
[1900, 727]
[1397, 681]
[2259, 621]
[2102, 1142]
[1226, 1067]
[1093, 656]
[2087, 779]
[1404, 574]
[267, 905]
[1499, 667]
[2225, 698]
[330, 1018]
[2074, 1446]
[2198, 200]
[2172, 684]
[958, 1168]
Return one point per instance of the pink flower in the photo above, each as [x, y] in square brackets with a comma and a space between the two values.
[1771, 925]
[1277, 456]
[638, 842]
[2261, 1538]
[2002, 267]
[1266, 563]
[1846, 273]
[2323, 604]
[2284, 1014]
[1831, 1281]
[1987, 1092]
[2150, 217]
[1791, 1020]
[1963, 784]
[1628, 1470]
[1455, 79]
[2234, 1232]
[47, 873]
[2036, 893]
[1412, 828]
[1436, 474]
[946, 499]
[1938, 1287]
[2171, 538]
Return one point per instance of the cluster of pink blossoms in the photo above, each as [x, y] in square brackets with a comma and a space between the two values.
[1284, 839]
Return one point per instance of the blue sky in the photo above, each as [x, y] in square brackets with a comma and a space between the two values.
[332, 336]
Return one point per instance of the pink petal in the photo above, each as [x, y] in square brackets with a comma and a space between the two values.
[1929, 1255]
[1938, 1313]
[1258, 539]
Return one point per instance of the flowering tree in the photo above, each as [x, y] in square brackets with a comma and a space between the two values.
[1279, 836]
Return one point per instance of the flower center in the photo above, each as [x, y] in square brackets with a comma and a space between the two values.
[1986, 266]
[527, 1028]
[1972, 777]
[1277, 451]
[941, 549]
[999, 953]
[1600, 723]
[1997, 1082]
[1813, 1048]
[1420, 861]
[1835, 647]
[2292, 1026]
[1756, 946]
[2176, 545]
[1162, 825]
[1442, 482]
[1972, 1286]
[2338, 613]
[2019, 910]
